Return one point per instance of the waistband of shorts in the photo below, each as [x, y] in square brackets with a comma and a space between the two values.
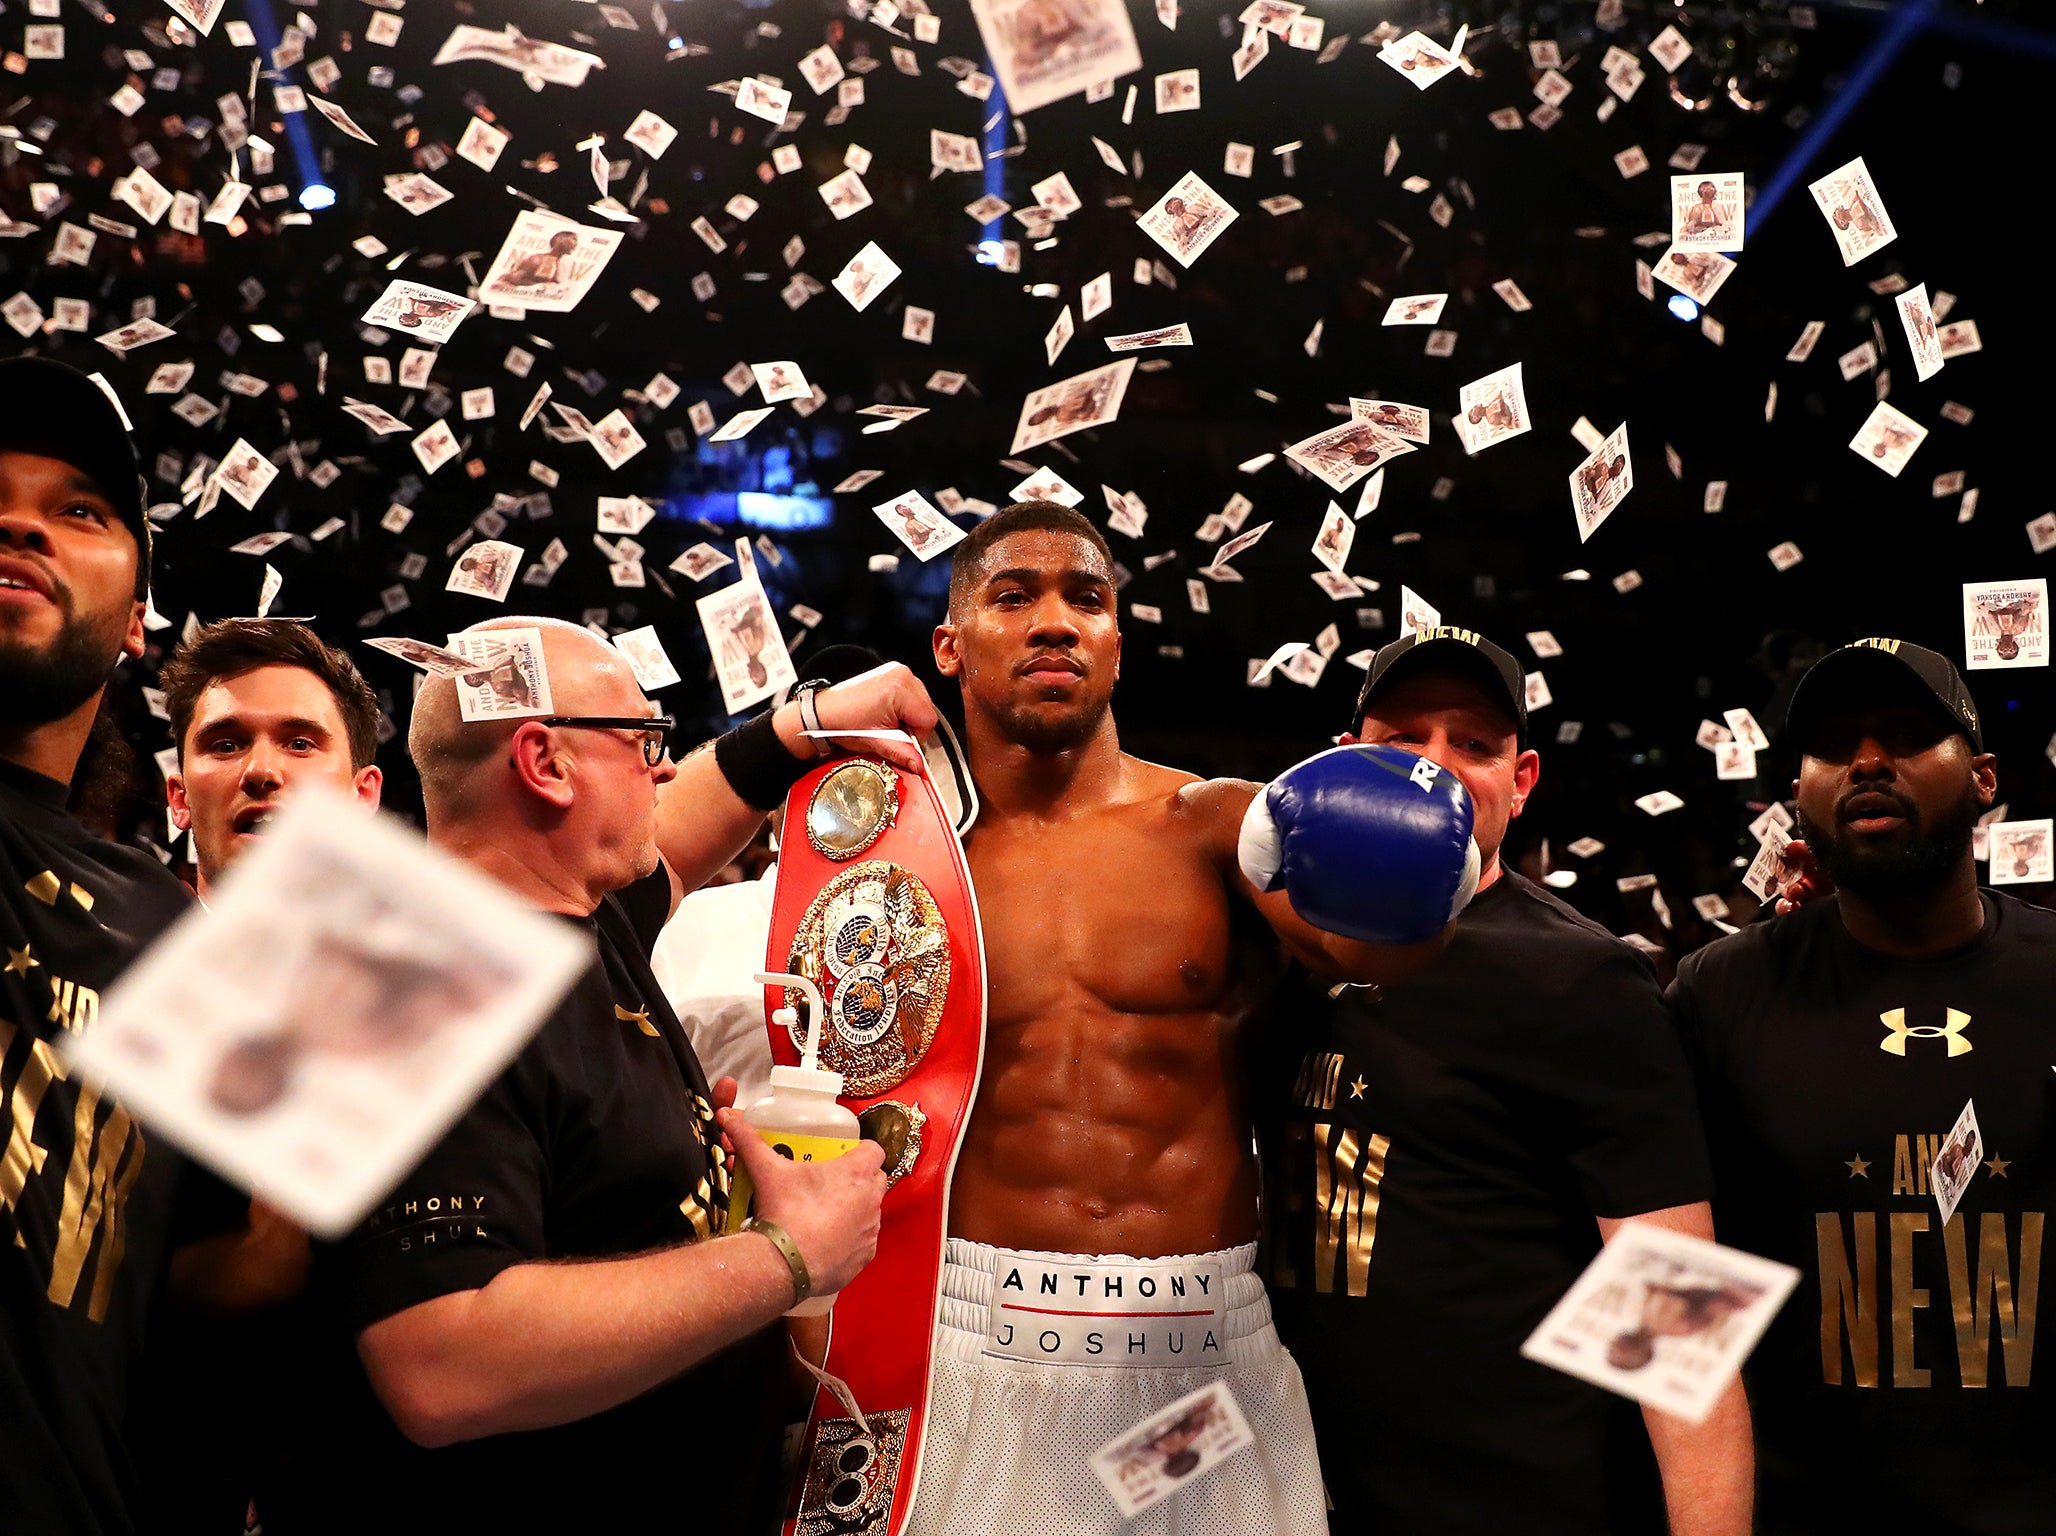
[967, 1281]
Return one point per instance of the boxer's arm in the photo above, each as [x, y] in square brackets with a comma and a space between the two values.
[1223, 803]
[703, 821]
[1709, 1469]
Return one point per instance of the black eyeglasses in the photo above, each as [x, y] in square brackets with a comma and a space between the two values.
[655, 729]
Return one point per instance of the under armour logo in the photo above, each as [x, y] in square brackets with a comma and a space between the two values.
[1424, 773]
[1897, 1032]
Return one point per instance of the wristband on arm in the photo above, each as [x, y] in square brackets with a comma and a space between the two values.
[756, 763]
[802, 1282]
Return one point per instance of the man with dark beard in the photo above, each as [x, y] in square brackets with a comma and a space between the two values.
[1103, 1210]
[1836, 1046]
[84, 1197]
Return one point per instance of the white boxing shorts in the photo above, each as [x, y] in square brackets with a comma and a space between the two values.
[1042, 1358]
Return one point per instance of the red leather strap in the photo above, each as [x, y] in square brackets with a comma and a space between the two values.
[885, 1319]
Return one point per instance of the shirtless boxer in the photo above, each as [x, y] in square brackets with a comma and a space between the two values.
[1108, 1160]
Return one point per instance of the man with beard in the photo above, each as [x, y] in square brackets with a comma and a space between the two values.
[1836, 1045]
[85, 1196]
[1133, 921]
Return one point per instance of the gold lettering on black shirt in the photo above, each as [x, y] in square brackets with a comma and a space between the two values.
[1346, 1181]
[1843, 1299]
[1912, 1157]
[1991, 1299]
[706, 1208]
[1320, 1079]
[1998, 1298]
[1907, 1298]
[102, 1170]
[74, 1006]
[23, 1099]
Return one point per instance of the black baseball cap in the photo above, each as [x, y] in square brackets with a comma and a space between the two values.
[53, 410]
[1868, 667]
[1446, 645]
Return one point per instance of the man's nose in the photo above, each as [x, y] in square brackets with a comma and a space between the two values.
[1870, 760]
[264, 767]
[1052, 620]
[22, 527]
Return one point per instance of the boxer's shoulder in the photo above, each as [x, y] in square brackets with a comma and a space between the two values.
[1214, 807]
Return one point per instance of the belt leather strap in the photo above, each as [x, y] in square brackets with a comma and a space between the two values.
[874, 904]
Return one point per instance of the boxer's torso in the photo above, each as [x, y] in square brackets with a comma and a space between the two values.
[1111, 1116]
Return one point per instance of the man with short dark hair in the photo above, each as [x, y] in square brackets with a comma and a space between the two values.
[1836, 1046]
[260, 709]
[1453, 1152]
[85, 1197]
[259, 706]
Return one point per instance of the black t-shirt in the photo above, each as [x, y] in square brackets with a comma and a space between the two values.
[593, 1144]
[1898, 1388]
[1432, 1192]
[85, 1197]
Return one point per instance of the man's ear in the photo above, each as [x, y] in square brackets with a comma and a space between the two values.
[948, 660]
[175, 797]
[132, 642]
[1527, 771]
[367, 786]
[533, 754]
[1984, 772]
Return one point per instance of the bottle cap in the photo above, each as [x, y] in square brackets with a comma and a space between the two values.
[807, 1080]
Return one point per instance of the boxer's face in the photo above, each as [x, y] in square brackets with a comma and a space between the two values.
[1036, 647]
[1451, 720]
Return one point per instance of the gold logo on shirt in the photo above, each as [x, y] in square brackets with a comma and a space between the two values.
[1898, 1032]
[46, 888]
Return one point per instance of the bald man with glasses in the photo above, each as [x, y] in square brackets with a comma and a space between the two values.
[548, 1322]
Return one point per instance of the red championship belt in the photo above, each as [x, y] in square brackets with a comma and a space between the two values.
[874, 905]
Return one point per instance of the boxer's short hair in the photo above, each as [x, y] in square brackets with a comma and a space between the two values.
[1021, 517]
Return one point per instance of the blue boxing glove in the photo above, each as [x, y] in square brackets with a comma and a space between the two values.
[1369, 842]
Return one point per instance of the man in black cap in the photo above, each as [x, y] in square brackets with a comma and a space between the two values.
[1452, 1154]
[1837, 1046]
[85, 1196]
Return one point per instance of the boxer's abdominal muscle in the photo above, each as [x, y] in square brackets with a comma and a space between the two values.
[1111, 1116]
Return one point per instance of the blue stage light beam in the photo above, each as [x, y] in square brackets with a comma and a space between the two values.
[1906, 23]
[314, 192]
[995, 179]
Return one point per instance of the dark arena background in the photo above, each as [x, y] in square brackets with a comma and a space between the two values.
[1670, 614]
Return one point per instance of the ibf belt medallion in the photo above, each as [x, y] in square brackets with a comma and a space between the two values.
[850, 808]
[874, 942]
